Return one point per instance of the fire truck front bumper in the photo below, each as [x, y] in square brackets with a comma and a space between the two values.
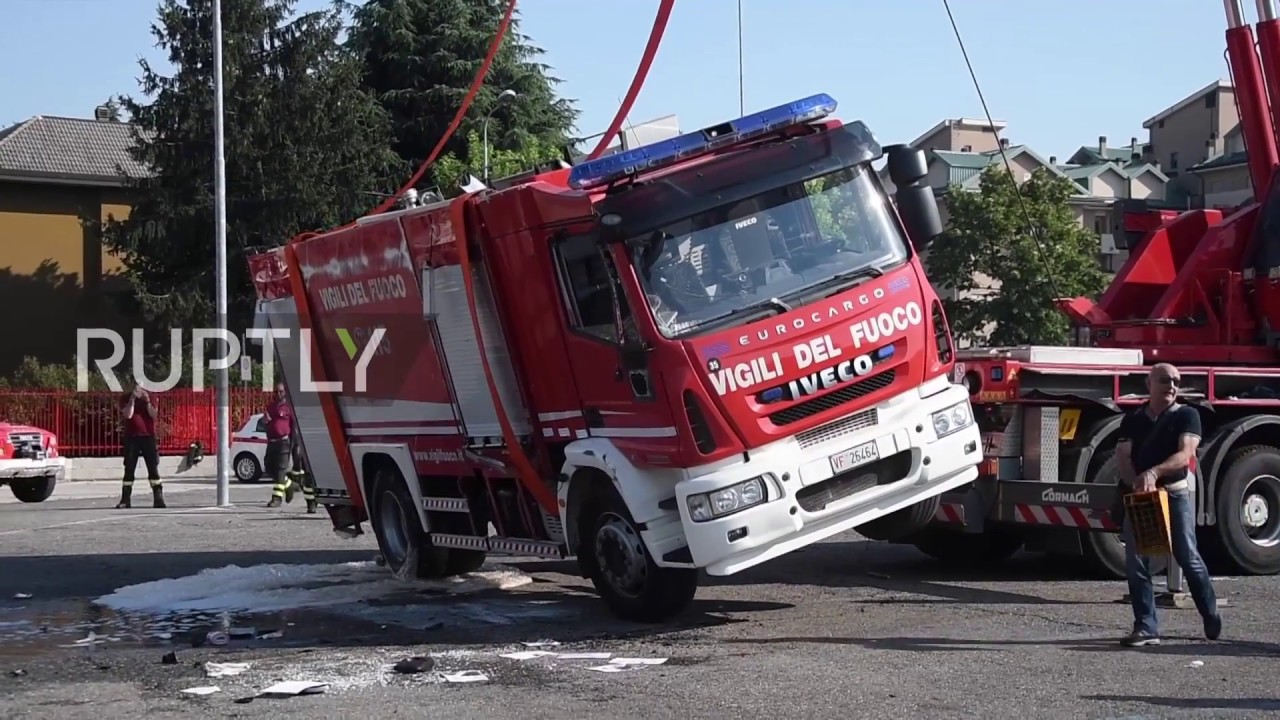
[830, 479]
[23, 468]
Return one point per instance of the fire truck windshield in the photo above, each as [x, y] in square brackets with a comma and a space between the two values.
[767, 250]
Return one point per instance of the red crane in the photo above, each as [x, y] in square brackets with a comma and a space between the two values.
[1200, 291]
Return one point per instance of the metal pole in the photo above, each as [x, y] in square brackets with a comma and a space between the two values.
[485, 142]
[742, 92]
[1266, 10]
[223, 420]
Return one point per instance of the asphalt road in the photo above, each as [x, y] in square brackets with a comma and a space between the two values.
[847, 628]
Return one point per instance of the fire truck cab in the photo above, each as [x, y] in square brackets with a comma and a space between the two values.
[702, 353]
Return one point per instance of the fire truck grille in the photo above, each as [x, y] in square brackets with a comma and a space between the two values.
[834, 399]
[817, 497]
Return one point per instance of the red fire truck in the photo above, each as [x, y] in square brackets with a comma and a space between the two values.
[702, 353]
[1202, 291]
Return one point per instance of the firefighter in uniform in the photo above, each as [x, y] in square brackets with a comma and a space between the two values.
[284, 456]
[139, 414]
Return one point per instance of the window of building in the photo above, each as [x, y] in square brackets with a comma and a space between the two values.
[589, 285]
[1173, 161]
[1211, 100]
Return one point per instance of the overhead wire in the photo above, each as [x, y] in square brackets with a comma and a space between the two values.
[1022, 203]
[637, 81]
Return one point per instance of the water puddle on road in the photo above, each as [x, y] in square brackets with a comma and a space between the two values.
[279, 604]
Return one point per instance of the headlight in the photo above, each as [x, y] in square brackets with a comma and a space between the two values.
[726, 501]
[952, 419]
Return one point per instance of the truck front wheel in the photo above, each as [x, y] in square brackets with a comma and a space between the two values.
[968, 550]
[404, 545]
[620, 567]
[33, 490]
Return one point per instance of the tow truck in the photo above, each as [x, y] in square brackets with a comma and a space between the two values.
[1200, 291]
[702, 353]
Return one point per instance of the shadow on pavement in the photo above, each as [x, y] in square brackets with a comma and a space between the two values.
[1193, 703]
[1190, 646]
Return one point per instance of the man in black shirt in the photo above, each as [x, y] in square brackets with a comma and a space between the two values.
[1157, 449]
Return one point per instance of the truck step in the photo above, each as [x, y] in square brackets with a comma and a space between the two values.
[446, 504]
[510, 546]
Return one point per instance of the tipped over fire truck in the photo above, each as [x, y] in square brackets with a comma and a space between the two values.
[703, 353]
[1201, 290]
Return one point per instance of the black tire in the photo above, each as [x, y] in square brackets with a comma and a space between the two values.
[33, 490]
[247, 468]
[464, 561]
[657, 594]
[1103, 552]
[1231, 539]
[404, 545]
[902, 524]
[968, 550]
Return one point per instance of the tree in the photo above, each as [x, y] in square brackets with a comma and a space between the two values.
[450, 172]
[991, 235]
[306, 148]
[420, 57]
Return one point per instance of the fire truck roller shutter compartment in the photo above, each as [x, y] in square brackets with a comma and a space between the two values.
[317, 446]
[736, 518]
[445, 301]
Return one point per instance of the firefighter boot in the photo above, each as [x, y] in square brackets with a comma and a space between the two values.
[274, 501]
[126, 494]
[311, 506]
[157, 496]
[291, 482]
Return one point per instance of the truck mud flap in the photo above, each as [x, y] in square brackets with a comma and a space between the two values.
[1070, 505]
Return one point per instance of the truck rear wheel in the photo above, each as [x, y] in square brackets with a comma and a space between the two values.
[33, 490]
[405, 547]
[903, 523]
[968, 550]
[621, 568]
[1103, 552]
[1248, 510]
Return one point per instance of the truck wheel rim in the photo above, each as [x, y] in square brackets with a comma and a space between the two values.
[394, 536]
[620, 553]
[1258, 510]
[245, 469]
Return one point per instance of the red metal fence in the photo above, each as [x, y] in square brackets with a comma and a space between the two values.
[88, 424]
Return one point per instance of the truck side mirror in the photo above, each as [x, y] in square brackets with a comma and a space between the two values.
[916, 202]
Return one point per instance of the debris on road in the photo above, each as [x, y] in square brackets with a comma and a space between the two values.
[291, 688]
[541, 643]
[617, 665]
[22, 596]
[526, 654]
[203, 690]
[224, 669]
[169, 658]
[1195, 664]
[584, 656]
[413, 665]
[464, 676]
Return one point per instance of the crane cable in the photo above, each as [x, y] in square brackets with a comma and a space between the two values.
[1017, 190]
[637, 81]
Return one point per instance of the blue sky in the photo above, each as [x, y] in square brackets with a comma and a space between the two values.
[1060, 72]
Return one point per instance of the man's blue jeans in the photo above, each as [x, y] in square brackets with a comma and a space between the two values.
[1141, 594]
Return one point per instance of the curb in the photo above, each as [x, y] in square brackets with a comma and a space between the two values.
[112, 468]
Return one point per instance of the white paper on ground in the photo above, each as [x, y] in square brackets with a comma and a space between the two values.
[541, 643]
[296, 687]
[464, 676]
[206, 690]
[214, 669]
[610, 668]
[22, 596]
[584, 656]
[526, 654]
[637, 661]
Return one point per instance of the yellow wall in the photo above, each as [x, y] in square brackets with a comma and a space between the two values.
[52, 266]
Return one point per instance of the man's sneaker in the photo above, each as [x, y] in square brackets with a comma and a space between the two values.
[1213, 626]
[1140, 638]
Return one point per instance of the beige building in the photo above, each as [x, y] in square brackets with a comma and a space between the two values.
[1188, 133]
[1224, 177]
[60, 179]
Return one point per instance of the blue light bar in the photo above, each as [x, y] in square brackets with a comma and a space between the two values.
[699, 142]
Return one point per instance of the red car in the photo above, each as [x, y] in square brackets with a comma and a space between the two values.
[29, 461]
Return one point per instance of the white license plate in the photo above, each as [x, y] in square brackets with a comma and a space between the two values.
[852, 458]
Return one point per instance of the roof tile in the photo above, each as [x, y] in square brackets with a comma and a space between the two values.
[73, 148]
